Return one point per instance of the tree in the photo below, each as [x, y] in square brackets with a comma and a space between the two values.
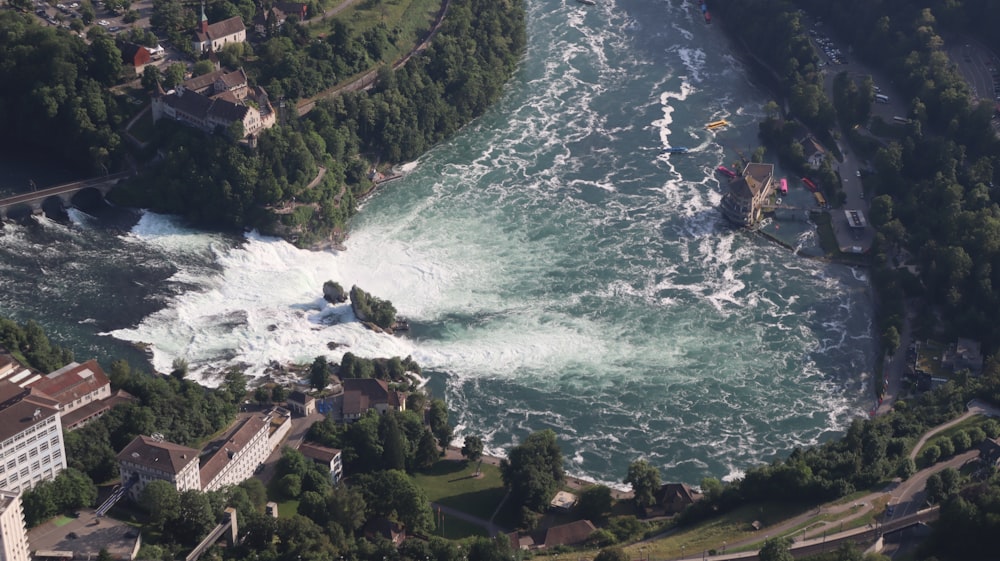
[319, 373]
[437, 418]
[776, 549]
[645, 482]
[906, 469]
[174, 75]
[278, 394]
[161, 501]
[393, 444]
[202, 67]
[533, 470]
[261, 395]
[595, 502]
[612, 554]
[290, 485]
[194, 518]
[392, 494]
[427, 452]
[472, 450]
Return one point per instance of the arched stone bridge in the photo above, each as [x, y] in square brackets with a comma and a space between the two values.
[35, 200]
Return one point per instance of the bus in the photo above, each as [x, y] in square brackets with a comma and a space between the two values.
[820, 199]
[881, 98]
[899, 119]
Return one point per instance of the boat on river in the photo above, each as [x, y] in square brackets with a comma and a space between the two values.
[717, 124]
[587, 2]
[726, 171]
[676, 150]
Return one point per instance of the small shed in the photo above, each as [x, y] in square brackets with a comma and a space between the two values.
[563, 501]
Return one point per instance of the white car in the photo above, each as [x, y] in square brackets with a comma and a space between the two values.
[104, 23]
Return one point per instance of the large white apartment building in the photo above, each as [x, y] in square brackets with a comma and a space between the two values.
[31, 442]
[147, 459]
[230, 460]
[13, 532]
[234, 458]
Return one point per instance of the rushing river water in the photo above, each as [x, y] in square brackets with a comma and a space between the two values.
[557, 270]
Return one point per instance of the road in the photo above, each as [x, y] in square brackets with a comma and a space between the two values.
[907, 497]
[300, 426]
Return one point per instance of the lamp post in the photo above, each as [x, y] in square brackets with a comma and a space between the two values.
[682, 551]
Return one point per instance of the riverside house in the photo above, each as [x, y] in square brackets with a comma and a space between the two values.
[743, 203]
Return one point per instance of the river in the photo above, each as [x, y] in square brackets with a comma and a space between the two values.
[557, 270]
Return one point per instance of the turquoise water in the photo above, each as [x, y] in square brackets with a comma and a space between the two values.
[557, 270]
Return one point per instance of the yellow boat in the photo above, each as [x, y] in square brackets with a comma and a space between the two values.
[717, 124]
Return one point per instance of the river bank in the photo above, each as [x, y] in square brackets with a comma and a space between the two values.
[454, 453]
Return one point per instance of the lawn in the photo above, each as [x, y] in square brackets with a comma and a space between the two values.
[411, 17]
[452, 483]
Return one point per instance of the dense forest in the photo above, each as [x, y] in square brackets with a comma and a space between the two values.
[54, 95]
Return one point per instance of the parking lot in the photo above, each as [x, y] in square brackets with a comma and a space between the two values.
[62, 14]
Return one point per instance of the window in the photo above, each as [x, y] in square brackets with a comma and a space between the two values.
[33, 452]
[35, 466]
[21, 445]
[47, 460]
[12, 464]
[22, 458]
[54, 441]
[24, 472]
[57, 454]
[31, 439]
[43, 446]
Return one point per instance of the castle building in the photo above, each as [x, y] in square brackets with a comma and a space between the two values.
[217, 99]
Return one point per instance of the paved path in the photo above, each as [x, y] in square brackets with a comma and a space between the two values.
[975, 407]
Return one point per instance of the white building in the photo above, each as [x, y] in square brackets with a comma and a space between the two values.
[235, 457]
[31, 435]
[328, 457]
[214, 37]
[148, 459]
[13, 532]
[83, 392]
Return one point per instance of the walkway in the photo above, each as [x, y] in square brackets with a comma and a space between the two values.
[974, 407]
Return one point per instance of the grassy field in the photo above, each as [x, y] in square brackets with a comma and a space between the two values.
[453, 484]
[412, 19]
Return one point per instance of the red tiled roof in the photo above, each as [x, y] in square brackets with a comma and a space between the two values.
[21, 408]
[569, 534]
[221, 29]
[317, 452]
[228, 446]
[95, 408]
[73, 381]
[154, 454]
